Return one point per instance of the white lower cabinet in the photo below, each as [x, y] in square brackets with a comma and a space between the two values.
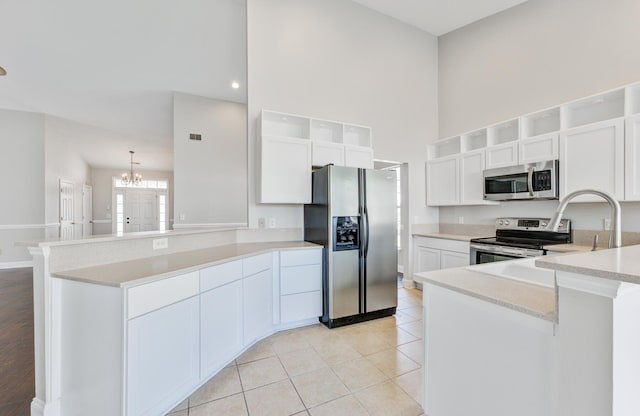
[221, 326]
[162, 357]
[300, 285]
[140, 350]
[437, 253]
[257, 303]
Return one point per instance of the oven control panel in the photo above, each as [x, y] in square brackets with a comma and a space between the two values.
[530, 224]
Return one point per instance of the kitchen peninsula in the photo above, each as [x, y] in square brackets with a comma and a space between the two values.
[132, 325]
[557, 336]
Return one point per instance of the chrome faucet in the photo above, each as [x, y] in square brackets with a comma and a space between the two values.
[615, 235]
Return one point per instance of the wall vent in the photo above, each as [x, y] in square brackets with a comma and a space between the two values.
[193, 136]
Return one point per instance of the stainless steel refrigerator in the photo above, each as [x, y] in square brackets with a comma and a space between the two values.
[354, 216]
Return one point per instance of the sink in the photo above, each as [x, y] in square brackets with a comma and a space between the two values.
[521, 269]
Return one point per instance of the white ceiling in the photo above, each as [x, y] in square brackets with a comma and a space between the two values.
[114, 65]
[439, 16]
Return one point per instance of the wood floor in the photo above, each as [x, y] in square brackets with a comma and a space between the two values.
[17, 381]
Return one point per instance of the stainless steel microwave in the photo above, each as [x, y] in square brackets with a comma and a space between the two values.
[531, 181]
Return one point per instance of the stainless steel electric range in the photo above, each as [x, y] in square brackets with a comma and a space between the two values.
[518, 238]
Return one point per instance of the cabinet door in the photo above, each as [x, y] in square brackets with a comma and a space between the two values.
[502, 155]
[449, 259]
[471, 179]
[632, 160]
[324, 153]
[358, 157]
[162, 357]
[442, 181]
[285, 170]
[257, 291]
[592, 157]
[539, 149]
[426, 259]
[220, 326]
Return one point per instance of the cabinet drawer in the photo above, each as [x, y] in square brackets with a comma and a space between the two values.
[297, 279]
[443, 244]
[146, 298]
[300, 306]
[220, 274]
[300, 257]
[256, 264]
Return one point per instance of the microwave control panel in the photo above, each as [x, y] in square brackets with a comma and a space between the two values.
[542, 180]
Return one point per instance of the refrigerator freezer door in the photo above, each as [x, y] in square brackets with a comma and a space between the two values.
[344, 284]
[343, 191]
[381, 252]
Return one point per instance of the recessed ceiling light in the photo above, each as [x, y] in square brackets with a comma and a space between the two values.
[235, 85]
[2, 71]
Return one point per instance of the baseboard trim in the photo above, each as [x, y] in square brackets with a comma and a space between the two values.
[40, 408]
[16, 264]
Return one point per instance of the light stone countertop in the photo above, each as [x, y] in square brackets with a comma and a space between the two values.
[535, 300]
[567, 248]
[621, 264]
[146, 270]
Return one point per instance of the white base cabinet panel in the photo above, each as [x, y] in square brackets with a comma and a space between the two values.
[257, 304]
[300, 285]
[162, 357]
[221, 326]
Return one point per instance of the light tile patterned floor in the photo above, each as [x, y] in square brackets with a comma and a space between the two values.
[372, 368]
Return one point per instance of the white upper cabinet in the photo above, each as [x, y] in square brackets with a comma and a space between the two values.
[592, 157]
[539, 139]
[471, 179]
[502, 140]
[290, 145]
[442, 181]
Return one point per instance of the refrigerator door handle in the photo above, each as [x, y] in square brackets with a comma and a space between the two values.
[365, 217]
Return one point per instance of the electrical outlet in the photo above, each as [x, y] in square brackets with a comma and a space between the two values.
[272, 223]
[160, 243]
[460, 219]
[606, 224]
[261, 222]
[183, 217]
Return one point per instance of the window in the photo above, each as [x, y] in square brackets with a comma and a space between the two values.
[162, 212]
[396, 169]
[119, 214]
[144, 184]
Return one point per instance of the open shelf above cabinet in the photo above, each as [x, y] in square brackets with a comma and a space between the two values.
[593, 109]
[326, 131]
[285, 125]
[503, 133]
[633, 99]
[474, 140]
[357, 135]
[542, 122]
[444, 148]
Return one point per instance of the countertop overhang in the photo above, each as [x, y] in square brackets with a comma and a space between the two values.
[146, 270]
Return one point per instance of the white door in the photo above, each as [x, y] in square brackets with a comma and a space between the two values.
[87, 210]
[66, 210]
[140, 211]
[592, 157]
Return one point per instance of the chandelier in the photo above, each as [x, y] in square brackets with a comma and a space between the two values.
[131, 178]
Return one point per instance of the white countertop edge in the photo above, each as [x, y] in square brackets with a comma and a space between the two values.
[103, 238]
[425, 279]
[72, 274]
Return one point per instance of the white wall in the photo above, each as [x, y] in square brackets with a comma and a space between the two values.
[62, 161]
[22, 173]
[337, 60]
[536, 55]
[101, 180]
[210, 175]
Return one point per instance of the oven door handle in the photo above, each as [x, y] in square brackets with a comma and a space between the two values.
[507, 251]
[530, 180]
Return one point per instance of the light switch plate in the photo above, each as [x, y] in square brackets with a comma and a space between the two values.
[160, 243]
